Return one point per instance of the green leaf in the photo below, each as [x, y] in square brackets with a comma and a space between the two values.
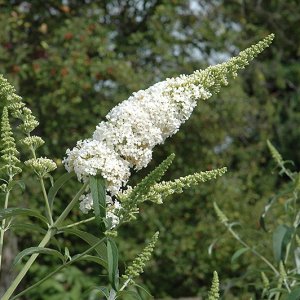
[238, 253]
[13, 212]
[281, 237]
[97, 185]
[92, 258]
[39, 250]
[104, 290]
[143, 289]
[294, 295]
[112, 259]
[20, 183]
[57, 185]
[30, 227]
[91, 240]
[130, 294]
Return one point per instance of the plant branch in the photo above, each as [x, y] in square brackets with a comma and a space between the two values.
[48, 209]
[77, 223]
[67, 210]
[59, 269]
[265, 260]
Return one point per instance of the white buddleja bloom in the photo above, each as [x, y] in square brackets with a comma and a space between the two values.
[134, 127]
[147, 118]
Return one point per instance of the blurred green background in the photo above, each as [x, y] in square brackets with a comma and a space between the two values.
[72, 61]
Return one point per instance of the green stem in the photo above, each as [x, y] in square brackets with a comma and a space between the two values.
[125, 284]
[48, 209]
[49, 214]
[3, 229]
[77, 223]
[237, 237]
[58, 269]
[26, 267]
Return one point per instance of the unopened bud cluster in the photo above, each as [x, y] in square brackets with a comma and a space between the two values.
[137, 266]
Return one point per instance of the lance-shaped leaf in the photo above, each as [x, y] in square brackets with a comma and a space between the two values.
[14, 212]
[97, 185]
[91, 240]
[57, 185]
[39, 250]
[281, 237]
[112, 259]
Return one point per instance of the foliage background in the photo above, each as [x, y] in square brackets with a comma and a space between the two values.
[72, 61]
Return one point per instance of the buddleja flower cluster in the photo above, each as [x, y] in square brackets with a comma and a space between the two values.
[132, 129]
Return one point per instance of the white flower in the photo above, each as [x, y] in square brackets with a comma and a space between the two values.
[132, 129]
[147, 118]
[91, 157]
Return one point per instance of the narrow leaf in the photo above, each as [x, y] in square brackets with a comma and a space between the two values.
[30, 227]
[238, 253]
[97, 185]
[13, 212]
[281, 237]
[112, 259]
[39, 250]
[91, 240]
[92, 258]
[104, 290]
[57, 185]
[129, 295]
[294, 295]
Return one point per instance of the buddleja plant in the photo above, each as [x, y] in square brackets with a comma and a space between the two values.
[103, 163]
[280, 273]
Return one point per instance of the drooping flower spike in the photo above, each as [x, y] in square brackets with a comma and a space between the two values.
[133, 128]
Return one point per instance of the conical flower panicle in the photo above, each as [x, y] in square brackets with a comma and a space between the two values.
[8, 147]
[213, 294]
[16, 106]
[134, 127]
[137, 266]
[214, 77]
[10, 98]
[275, 154]
[162, 190]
